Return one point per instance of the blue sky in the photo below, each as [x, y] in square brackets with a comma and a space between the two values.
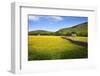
[53, 23]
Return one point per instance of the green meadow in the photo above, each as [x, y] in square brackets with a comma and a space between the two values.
[65, 43]
[55, 47]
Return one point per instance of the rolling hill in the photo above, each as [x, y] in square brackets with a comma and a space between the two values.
[40, 32]
[80, 30]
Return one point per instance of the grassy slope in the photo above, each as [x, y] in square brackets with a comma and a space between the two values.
[82, 39]
[80, 28]
[36, 32]
[53, 47]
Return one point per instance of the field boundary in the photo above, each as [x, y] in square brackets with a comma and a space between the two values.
[76, 41]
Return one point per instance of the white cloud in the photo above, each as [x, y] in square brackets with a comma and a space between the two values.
[58, 18]
[34, 18]
[54, 18]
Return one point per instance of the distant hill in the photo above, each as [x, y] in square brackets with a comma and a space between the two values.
[40, 32]
[80, 29]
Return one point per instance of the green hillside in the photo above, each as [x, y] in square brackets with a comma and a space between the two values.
[80, 29]
[40, 32]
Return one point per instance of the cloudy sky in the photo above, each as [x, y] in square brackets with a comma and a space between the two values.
[53, 23]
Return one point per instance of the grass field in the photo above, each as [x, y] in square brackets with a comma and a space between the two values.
[82, 39]
[55, 47]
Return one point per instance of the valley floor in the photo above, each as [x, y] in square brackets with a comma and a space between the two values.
[55, 47]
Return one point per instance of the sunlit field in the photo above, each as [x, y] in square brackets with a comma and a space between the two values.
[55, 47]
[82, 39]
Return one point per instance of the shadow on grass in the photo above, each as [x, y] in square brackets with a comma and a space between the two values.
[35, 55]
[64, 54]
[74, 54]
[76, 42]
